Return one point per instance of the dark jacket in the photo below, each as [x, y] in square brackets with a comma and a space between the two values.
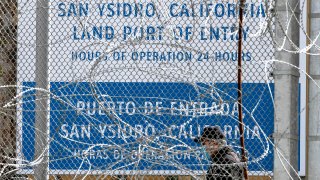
[224, 166]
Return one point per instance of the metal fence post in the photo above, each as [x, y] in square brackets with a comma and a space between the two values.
[243, 156]
[314, 97]
[42, 98]
[286, 79]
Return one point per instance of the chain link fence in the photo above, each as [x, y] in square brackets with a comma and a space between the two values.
[8, 59]
[130, 87]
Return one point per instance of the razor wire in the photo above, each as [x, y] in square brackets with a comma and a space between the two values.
[133, 82]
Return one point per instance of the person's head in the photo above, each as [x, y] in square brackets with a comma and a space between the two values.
[212, 138]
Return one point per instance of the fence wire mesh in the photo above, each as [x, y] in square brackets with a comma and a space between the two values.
[136, 89]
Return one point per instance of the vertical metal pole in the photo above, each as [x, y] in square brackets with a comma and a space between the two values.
[314, 97]
[286, 80]
[308, 3]
[243, 153]
[42, 98]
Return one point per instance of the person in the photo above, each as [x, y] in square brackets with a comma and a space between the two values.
[225, 161]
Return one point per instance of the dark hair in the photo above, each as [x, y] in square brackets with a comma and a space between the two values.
[211, 132]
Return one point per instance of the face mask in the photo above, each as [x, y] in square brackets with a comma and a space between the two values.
[205, 154]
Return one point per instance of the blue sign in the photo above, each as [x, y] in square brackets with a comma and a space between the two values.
[147, 126]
